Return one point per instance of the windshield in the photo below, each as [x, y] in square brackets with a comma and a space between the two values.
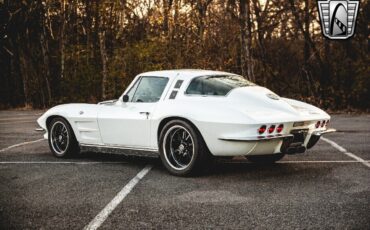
[218, 85]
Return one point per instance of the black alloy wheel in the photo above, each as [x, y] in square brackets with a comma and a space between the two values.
[62, 141]
[182, 149]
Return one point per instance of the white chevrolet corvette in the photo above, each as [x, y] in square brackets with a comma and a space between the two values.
[186, 117]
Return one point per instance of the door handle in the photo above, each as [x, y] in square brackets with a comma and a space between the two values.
[145, 113]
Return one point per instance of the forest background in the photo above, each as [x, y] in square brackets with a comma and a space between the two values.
[59, 51]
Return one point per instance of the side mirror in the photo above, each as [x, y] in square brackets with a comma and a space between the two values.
[125, 98]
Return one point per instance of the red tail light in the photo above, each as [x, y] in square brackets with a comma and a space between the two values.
[280, 128]
[317, 124]
[323, 123]
[262, 129]
[272, 128]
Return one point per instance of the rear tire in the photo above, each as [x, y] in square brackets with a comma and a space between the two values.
[62, 141]
[266, 159]
[182, 149]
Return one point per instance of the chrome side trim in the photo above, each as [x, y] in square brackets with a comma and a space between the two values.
[81, 129]
[108, 102]
[257, 138]
[124, 150]
[39, 129]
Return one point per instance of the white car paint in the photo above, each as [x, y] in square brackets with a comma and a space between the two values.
[228, 124]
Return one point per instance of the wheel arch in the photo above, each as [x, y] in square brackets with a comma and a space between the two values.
[164, 121]
[74, 143]
[50, 118]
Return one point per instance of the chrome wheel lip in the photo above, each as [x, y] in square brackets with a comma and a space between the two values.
[56, 137]
[166, 154]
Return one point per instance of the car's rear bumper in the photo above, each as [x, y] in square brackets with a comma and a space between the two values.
[319, 133]
[271, 144]
[257, 138]
[315, 137]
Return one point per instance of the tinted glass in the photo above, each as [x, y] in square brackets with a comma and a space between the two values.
[149, 89]
[132, 90]
[218, 85]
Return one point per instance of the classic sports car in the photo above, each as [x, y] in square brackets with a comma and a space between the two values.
[187, 117]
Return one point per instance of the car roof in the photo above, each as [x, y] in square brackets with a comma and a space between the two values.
[184, 73]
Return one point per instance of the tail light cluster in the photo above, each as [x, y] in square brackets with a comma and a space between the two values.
[321, 124]
[270, 129]
[262, 129]
[280, 128]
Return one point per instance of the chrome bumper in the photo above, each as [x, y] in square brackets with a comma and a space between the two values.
[257, 138]
[274, 137]
[319, 133]
[315, 137]
[40, 130]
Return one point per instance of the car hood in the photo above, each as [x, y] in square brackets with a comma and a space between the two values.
[263, 105]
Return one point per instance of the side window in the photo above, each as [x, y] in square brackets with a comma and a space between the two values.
[149, 89]
[195, 87]
[208, 86]
[133, 89]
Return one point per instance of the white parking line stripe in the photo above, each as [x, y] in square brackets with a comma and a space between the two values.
[298, 162]
[343, 150]
[20, 144]
[103, 215]
[17, 122]
[288, 162]
[20, 115]
[125, 162]
[18, 118]
[64, 162]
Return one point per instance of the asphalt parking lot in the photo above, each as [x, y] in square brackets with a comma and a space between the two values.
[327, 187]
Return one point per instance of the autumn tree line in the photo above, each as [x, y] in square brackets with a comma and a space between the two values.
[58, 51]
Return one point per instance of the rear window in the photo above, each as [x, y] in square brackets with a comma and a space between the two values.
[217, 85]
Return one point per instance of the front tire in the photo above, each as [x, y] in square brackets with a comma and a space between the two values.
[266, 159]
[62, 141]
[182, 149]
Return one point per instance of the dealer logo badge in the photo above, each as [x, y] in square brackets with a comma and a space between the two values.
[338, 18]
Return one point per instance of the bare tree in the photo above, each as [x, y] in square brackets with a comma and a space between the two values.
[325, 72]
[45, 51]
[52, 49]
[103, 52]
[167, 4]
[201, 7]
[62, 37]
[246, 39]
